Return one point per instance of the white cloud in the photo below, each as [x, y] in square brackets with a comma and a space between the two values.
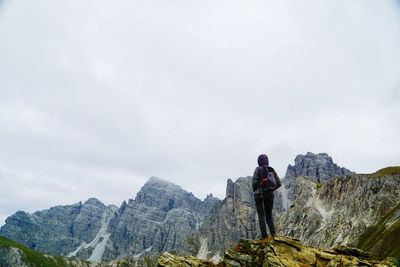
[95, 98]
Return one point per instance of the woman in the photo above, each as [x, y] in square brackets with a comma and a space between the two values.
[265, 181]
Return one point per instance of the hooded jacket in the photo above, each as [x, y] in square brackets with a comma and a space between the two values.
[263, 162]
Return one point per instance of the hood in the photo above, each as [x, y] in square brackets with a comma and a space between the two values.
[263, 160]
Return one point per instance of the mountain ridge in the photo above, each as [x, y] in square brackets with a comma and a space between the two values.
[162, 217]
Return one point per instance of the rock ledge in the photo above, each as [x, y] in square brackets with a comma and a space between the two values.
[283, 251]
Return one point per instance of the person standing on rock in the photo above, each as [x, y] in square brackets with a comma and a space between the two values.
[265, 181]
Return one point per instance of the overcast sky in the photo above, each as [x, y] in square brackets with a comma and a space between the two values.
[97, 96]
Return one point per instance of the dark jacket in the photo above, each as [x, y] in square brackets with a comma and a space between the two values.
[257, 176]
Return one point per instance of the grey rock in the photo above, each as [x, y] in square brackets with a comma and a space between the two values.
[318, 168]
[58, 230]
[13, 254]
[233, 219]
[282, 251]
[236, 217]
[342, 210]
[160, 218]
[11, 257]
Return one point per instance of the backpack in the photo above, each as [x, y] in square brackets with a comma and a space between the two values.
[268, 179]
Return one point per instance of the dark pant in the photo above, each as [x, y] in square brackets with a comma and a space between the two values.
[264, 205]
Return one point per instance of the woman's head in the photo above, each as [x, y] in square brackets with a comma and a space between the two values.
[263, 160]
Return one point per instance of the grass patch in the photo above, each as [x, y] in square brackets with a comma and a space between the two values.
[382, 240]
[388, 171]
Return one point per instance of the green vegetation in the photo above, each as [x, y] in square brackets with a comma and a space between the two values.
[150, 262]
[318, 185]
[395, 170]
[394, 261]
[383, 240]
[35, 258]
[30, 257]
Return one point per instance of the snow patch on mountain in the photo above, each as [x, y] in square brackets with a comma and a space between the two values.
[99, 242]
[73, 254]
[143, 252]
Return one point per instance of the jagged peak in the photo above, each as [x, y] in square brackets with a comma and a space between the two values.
[313, 156]
[158, 180]
[323, 154]
[93, 201]
[239, 180]
[210, 197]
[156, 188]
[162, 184]
[319, 167]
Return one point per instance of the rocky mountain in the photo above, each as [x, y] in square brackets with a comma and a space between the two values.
[360, 210]
[160, 218]
[282, 251]
[60, 229]
[319, 168]
[327, 209]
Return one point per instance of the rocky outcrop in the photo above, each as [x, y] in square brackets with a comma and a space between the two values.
[11, 257]
[357, 210]
[282, 251]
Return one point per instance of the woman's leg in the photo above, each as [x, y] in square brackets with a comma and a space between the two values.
[261, 216]
[268, 199]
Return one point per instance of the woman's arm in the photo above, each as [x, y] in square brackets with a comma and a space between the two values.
[255, 179]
